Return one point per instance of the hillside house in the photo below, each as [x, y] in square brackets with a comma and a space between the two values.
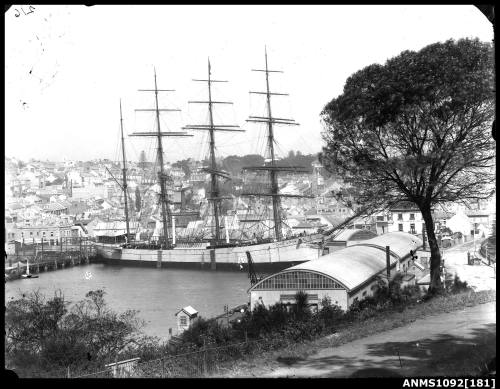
[185, 318]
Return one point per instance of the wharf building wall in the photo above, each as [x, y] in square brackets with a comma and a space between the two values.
[345, 276]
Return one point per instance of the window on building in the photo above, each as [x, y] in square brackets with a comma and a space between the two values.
[400, 227]
[412, 228]
[298, 281]
[52, 234]
[31, 233]
[400, 216]
[380, 218]
[412, 216]
[364, 293]
[183, 321]
[38, 233]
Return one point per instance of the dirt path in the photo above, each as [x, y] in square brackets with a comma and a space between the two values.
[444, 344]
[479, 277]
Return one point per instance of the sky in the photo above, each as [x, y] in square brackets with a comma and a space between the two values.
[68, 66]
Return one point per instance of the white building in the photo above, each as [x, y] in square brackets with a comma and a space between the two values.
[185, 317]
[406, 218]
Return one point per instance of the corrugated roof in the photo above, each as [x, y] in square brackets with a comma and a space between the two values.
[356, 264]
[114, 228]
[400, 242]
[353, 234]
[333, 219]
[55, 206]
[351, 266]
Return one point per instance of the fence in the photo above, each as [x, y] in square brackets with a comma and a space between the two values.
[46, 247]
[197, 364]
[46, 255]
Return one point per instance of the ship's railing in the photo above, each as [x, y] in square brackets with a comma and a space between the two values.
[277, 254]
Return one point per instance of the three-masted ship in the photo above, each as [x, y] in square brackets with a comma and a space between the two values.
[276, 253]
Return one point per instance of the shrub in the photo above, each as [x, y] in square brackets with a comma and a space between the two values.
[329, 314]
[302, 311]
[278, 316]
[204, 332]
[458, 285]
[49, 336]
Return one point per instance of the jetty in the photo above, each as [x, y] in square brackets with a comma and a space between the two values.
[68, 252]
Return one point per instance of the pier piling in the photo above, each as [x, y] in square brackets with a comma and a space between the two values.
[213, 264]
[158, 262]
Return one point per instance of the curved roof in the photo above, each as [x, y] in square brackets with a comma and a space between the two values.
[358, 263]
[400, 242]
[355, 234]
[351, 266]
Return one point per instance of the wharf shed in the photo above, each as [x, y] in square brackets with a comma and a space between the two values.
[345, 276]
[347, 237]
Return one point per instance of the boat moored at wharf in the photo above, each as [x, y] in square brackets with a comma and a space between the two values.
[268, 256]
[275, 251]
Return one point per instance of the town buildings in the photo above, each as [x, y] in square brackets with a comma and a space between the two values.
[89, 192]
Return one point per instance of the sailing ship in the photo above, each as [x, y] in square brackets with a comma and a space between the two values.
[27, 274]
[273, 253]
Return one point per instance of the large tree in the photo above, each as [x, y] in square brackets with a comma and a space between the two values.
[417, 129]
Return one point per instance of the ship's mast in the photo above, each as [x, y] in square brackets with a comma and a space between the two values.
[163, 194]
[124, 171]
[272, 166]
[272, 173]
[161, 174]
[215, 197]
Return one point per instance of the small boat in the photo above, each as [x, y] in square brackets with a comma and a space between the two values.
[28, 275]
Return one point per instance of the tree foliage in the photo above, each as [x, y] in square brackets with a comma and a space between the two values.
[48, 333]
[234, 163]
[184, 165]
[417, 129]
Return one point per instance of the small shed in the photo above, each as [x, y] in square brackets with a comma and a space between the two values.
[185, 318]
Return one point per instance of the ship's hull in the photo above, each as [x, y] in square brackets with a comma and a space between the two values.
[267, 256]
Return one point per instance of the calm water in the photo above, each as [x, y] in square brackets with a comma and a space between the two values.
[157, 293]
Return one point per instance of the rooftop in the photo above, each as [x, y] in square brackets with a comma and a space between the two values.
[354, 234]
[363, 260]
[189, 310]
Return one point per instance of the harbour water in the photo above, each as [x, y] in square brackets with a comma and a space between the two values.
[156, 293]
